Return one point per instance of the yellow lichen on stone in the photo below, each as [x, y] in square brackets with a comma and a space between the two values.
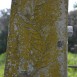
[35, 43]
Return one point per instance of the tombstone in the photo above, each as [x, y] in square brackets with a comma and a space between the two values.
[37, 40]
[70, 31]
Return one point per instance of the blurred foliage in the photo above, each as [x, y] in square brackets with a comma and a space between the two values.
[4, 22]
[72, 21]
[75, 5]
[70, 44]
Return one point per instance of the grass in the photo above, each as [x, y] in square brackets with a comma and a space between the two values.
[72, 60]
[2, 64]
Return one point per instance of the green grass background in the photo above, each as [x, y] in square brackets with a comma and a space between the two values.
[72, 60]
[2, 64]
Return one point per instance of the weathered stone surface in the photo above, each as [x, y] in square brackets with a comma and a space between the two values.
[37, 41]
